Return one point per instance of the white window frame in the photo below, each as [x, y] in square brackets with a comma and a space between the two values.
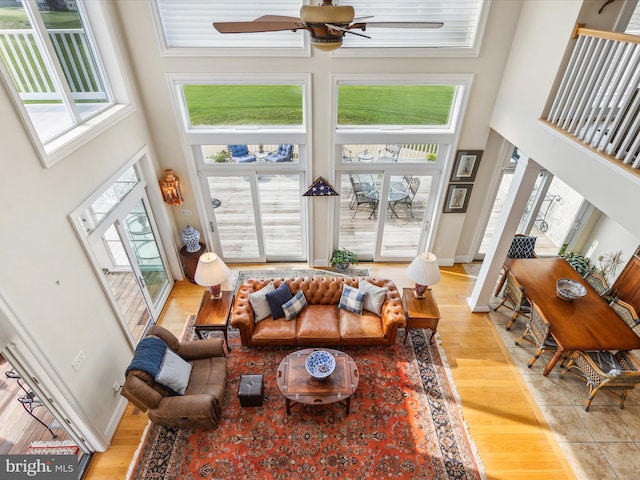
[446, 136]
[98, 27]
[305, 50]
[195, 137]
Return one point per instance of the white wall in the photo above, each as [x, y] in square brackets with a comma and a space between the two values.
[609, 237]
[46, 279]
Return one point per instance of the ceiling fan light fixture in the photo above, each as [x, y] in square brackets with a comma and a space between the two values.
[326, 45]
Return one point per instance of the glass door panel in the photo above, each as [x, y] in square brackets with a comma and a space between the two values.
[232, 204]
[123, 282]
[250, 213]
[154, 276]
[358, 205]
[404, 216]
[281, 211]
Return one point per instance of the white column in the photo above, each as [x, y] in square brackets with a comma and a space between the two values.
[524, 178]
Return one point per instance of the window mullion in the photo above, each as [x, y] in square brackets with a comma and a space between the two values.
[53, 65]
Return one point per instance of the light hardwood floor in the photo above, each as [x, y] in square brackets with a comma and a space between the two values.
[507, 427]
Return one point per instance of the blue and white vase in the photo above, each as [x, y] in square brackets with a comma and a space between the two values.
[191, 239]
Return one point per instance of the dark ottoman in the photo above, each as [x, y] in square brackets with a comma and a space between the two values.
[251, 391]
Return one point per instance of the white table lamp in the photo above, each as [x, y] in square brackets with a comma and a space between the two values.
[211, 272]
[424, 271]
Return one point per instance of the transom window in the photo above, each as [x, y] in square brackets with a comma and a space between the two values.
[190, 27]
[395, 105]
[247, 105]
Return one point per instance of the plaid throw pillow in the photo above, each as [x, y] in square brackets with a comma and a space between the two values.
[294, 306]
[522, 247]
[351, 300]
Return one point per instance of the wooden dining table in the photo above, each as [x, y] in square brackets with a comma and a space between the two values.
[587, 323]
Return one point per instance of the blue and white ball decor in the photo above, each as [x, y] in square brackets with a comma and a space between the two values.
[320, 364]
[191, 239]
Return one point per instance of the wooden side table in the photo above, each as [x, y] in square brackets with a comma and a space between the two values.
[190, 260]
[213, 315]
[420, 312]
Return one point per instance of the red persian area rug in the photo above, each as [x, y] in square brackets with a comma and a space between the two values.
[404, 423]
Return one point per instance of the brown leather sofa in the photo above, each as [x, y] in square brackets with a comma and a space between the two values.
[321, 322]
[201, 404]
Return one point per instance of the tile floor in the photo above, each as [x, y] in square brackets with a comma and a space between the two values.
[603, 443]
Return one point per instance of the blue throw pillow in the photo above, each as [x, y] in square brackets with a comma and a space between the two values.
[277, 298]
[294, 306]
[351, 300]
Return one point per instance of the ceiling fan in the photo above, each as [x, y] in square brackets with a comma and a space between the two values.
[327, 24]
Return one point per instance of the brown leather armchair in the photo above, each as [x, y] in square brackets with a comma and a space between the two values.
[201, 405]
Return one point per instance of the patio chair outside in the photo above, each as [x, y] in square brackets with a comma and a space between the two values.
[361, 196]
[404, 196]
[389, 154]
[240, 154]
[617, 373]
[283, 153]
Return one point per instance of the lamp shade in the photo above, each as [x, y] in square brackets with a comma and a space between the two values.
[424, 271]
[211, 272]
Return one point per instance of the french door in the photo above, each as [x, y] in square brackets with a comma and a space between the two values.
[133, 264]
[385, 215]
[257, 216]
[119, 232]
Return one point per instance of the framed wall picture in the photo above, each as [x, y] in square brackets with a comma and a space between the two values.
[457, 200]
[466, 165]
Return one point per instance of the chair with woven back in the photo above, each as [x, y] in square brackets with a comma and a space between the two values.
[522, 246]
[514, 295]
[626, 311]
[617, 373]
[597, 282]
[538, 332]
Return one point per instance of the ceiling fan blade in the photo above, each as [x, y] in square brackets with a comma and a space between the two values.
[405, 24]
[336, 27]
[255, 27]
[360, 19]
[277, 18]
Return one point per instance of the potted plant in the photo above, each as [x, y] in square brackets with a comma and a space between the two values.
[343, 258]
[580, 263]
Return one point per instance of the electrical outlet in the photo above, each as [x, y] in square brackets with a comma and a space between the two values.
[116, 386]
[186, 212]
[78, 360]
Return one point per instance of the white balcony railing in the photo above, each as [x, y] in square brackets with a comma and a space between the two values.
[598, 100]
[30, 72]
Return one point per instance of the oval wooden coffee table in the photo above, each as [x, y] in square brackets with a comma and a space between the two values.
[298, 386]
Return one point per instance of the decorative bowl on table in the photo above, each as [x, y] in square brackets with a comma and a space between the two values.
[570, 290]
[320, 364]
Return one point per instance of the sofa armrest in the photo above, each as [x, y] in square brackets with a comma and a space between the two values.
[392, 314]
[242, 315]
[139, 391]
[195, 349]
[179, 410]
